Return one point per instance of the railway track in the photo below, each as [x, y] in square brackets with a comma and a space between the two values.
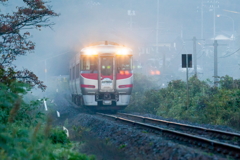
[188, 134]
[223, 136]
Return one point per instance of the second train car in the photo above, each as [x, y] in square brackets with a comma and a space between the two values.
[101, 77]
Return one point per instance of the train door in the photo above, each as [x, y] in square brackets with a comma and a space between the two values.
[106, 76]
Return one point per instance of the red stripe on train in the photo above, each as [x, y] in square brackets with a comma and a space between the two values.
[90, 75]
[126, 86]
[87, 86]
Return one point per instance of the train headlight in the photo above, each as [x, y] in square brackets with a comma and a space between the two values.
[122, 52]
[90, 52]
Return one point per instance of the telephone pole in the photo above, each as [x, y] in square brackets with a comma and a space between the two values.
[214, 19]
[202, 19]
[157, 26]
[215, 63]
[195, 55]
[215, 45]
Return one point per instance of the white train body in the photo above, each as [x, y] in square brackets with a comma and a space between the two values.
[101, 76]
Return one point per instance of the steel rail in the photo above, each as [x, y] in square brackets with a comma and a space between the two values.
[223, 134]
[211, 145]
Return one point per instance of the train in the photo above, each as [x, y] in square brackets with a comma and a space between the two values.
[101, 76]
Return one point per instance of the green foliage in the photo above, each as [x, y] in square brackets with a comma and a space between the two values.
[20, 143]
[13, 107]
[59, 136]
[21, 134]
[122, 146]
[207, 104]
[227, 82]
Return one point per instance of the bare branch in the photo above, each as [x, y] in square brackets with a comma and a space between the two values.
[14, 43]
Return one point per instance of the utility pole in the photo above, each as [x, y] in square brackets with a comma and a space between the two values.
[195, 55]
[187, 81]
[157, 26]
[214, 4]
[187, 63]
[202, 20]
[215, 45]
[131, 13]
[214, 18]
[164, 61]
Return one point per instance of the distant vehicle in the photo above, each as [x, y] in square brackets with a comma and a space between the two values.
[101, 77]
[153, 67]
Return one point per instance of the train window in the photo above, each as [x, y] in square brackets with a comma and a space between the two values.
[89, 63]
[106, 66]
[124, 63]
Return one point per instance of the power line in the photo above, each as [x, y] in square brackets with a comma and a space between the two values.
[230, 54]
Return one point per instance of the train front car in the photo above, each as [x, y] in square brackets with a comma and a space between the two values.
[106, 78]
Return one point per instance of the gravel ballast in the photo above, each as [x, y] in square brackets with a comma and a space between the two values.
[133, 142]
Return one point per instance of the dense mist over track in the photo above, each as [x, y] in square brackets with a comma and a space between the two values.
[139, 24]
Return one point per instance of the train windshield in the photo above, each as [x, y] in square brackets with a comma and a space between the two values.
[106, 65]
[124, 63]
[89, 63]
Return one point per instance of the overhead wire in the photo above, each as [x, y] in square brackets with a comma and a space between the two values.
[230, 54]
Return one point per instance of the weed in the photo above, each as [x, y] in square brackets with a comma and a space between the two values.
[144, 131]
[122, 146]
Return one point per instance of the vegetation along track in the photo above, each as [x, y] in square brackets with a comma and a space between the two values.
[183, 133]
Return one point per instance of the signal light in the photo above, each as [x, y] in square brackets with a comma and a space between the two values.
[152, 72]
[124, 72]
[155, 72]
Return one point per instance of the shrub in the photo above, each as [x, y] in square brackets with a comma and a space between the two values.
[207, 104]
[59, 136]
[20, 143]
[21, 134]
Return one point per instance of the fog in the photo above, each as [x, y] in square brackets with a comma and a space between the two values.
[158, 31]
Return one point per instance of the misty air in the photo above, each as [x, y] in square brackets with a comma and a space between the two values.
[119, 80]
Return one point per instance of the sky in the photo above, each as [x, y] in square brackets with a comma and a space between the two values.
[85, 21]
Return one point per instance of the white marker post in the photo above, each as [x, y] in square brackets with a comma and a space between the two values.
[58, 114]
[66, 131]
[45, 104]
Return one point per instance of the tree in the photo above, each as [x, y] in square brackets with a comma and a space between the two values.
[14, 38]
